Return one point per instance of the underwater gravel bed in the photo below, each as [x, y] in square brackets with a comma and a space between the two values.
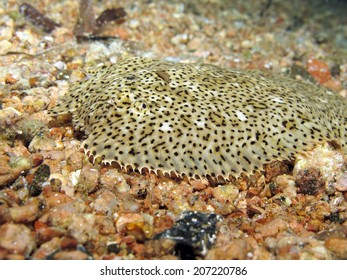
[55, 203]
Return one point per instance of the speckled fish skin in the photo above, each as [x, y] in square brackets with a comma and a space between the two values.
[198, 119]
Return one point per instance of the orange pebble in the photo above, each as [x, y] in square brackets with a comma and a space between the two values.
[319, 70]
[121, 33]
[10, 79]
[333, 84]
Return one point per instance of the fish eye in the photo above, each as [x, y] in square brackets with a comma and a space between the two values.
[144, 106]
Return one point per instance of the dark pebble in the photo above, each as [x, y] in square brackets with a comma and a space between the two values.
[194, 233]
[41, 175]
[310, 181]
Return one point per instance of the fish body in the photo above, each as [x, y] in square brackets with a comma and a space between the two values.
[199, 120]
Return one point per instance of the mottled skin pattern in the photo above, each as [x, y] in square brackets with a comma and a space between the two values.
[198, 119]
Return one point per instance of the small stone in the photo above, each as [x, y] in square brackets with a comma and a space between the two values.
[112, 179]
[16, 239]
[105, 225]
[41, 142]
[8, 117]
[41, 175]
[10, 79]
[61, 216]
[113, 247]
[274, 169]
[327, 159]
[225, 193]
[36, 18]
[29, 128]
[47, 249]
[285, 184]
[194, 233]
[134, 23]
[310, 181]
[237, 249]
[33, 81]
[163, 248]
[139, 225]
[75, 161]
[338, 246]
[55, 184]
[105, 203]
[60, 65]
[9, 197]
[26, 213]
[32, 104]
[319, 70]
[68, 243]
[180, 39]
[44, 233]
[12, 168]
[341, 183]
[82, 228]
[74, 177]
[88, 180]
[53, 199]
[273, 227]
[20, 163]
[71, 255]
[4, 214]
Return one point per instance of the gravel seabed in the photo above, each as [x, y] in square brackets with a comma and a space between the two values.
[56, 204]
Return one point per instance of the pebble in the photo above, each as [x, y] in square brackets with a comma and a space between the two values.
[4, 214]
[61, 216]
[105, 225]
[310, 181]
[338, 246]
[75, 161]
[43, 143]
[29, 127]
[139, 225]
[53, 199]
[33, 104]
[222, 208]
[47, 248]
[9, 116]
[74, 177]
[88, 180]
[60, 65]
[316, 252]
[12, 167]
[194, 233]
[225, 193]
[82, 228]
[41, 175]
[180, 39]
[27, 213]
[275, 169]
[285, 184]
[341, 182]
[9, 197]
[112, 180]
[57, 182]
[71, 255]
[273, 227]
[44, 233]
[319, 70]
[106, 203]
[237, 249]
[326, 159]
[16, 239]
[134, 23]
